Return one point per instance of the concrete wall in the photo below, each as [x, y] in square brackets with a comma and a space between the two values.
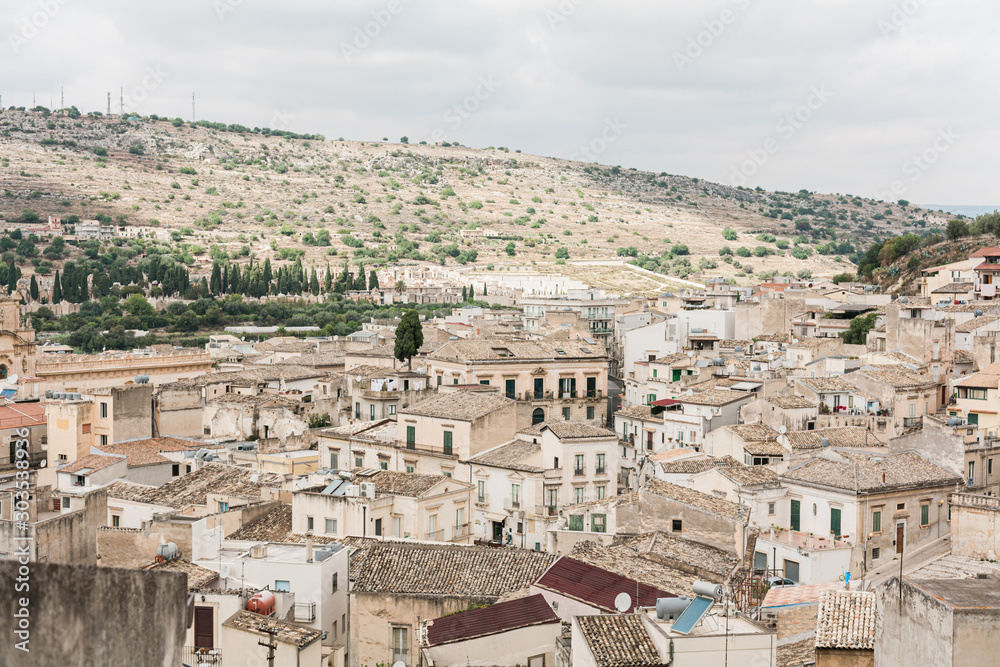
[178, 411]
[95, 616]
[239, 647]
[508, 649]
[913, 624]
[937, 442]
[652, 512]
[132, 412]
[68, 538]
[975, 526]
[840, 657]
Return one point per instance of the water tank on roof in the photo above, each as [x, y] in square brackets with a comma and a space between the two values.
[142, 379]
[978, 313]
[826, 442]
[904, 300]
[168, 551]
[718, 361]
[261, 603]
[48, 393]
[955, 421]
[668, 609]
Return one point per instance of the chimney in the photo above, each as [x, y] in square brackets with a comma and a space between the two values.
[309, 546]
[883, 478]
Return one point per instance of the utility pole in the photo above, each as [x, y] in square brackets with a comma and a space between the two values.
[193, 117]
[270, 644]
[109, 103]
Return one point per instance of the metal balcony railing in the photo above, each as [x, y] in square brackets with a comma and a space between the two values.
[511, 503]
[196, 657]
[579, 472]
[913, 422]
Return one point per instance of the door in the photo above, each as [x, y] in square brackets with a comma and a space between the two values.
[204, 627]
[835, 521]
[796, 512]
[591, 387]
[792, 570]
[759, 561]
[498, 531]
[378, 527]
[539, 388]
[900, 537]
[509, 388]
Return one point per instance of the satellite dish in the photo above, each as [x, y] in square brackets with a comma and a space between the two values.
[399, 663]
[730, 368]
[689, 392]
[690, 354]
[623, 602]
[11, 379]
[301, 483]
[254, 478]
[782, 429]
[224, 572]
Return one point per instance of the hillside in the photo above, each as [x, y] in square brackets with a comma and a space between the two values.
[283, 198]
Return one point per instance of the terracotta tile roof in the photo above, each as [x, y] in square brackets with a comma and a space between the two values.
[797, 654]
[771, 448]
[194, 487]
[975, 323]
[596, 586]
[509, 456]
[790, 596]
[147, 452]
[414, 485]
[460, 405]
[499, 349]
[791, 402]
[270, 527]
[847, 620]
[671, 358]
[963, 357]
[90, 463]
[987, 378]
[729, 344]
[697, 499]
[954, 288]
[618, 640]
[250, 375]
[288, 633]
[695, 465]
[197, 576]
[865, 472]
[492, 620]
[754, 432]
[715, 397]
[827, 385]
[899, 377]
[637, 412]
[419, 569]
[839, 436]
[20, 415]
[753, 475]
[566, 430]
[773, 338]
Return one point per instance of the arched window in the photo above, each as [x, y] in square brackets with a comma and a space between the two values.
[537, 417]
[3, 372]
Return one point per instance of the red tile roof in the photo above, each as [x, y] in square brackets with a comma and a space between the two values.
[986, 252]
[595, 586]
[492, 620]
[17, 415]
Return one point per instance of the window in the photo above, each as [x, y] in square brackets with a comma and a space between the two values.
[485, 383]
[795, 510]
[86, 428]
[447, 442]
[331, 526]
[972, 473]
[281, 585]
[432, 524]
[900, 507]
[515, 494]
[877, 521]
[400, 645]
[411, 467]
[925, 513]
[175, 470]
[383, 464]
[600, 463]
[104, 439]
[439, 380]
[602, 492]
[357, 410]
[977, 394]
[411, 437]
[566, 414]
[576, 522]
[454, 380]
[509, 387]
[590, 412]
[359, 461]
[835, 521]
[578, 494]
[447, 473]
[481, 489]
[876, 553]
[654, 372]
[371, 412]
[578, 464]
[65, 502]
[392, 409]
[309, 523]
[677, 525]
[459, 521]
[539, 388]
[378, 527]
[336, 584]
[335, 460]
[223, 507]
[553, 500]
[104, 410]
[598, 523]
[116, 520]
[397, 526]
[770, 509]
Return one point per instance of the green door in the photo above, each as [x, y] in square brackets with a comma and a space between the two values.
[835, 521]
[796, 512]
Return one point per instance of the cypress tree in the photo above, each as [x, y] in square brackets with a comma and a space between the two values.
[328, 279]
[12, 279]
[216, 283]
[57, 289]
[34, 288]
[373, 280]
[472, 292]
[314, 282]
[465, 294]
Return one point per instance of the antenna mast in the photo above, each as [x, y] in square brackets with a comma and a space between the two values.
[109, 102]
[193, 117]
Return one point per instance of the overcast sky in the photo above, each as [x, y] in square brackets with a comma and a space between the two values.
[829, 95]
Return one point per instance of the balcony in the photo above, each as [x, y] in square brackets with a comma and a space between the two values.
[546, 510]
[462, 531]
[305, 612]
[201, 656]
[436, 536]
[483, 499]
[601, 470]
[579, 472]
[511, 504]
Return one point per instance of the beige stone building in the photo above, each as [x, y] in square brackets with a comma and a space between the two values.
[561, 379]
[83, 373]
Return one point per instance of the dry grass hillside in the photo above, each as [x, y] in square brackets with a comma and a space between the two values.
[383, 202]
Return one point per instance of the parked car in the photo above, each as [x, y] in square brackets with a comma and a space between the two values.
[782, 581]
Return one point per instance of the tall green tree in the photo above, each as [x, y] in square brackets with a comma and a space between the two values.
[34, 288]
[314, 282]
[472, 292]
[57, 295]
[857, 332]
[373, 280]
[216, 280]
[328, 279]
[12, 279]
[465, 293]
[409, 337]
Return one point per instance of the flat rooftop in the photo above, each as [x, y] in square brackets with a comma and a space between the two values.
[712, 625]
[978, 594]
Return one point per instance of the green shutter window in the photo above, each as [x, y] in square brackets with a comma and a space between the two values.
[677, 376]
[877, 521]
[796, 510]
[411, 437]
[447, 442]
[925, 514]
[654, 372]
[598, 523]
[576, 522]
[835, 521]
